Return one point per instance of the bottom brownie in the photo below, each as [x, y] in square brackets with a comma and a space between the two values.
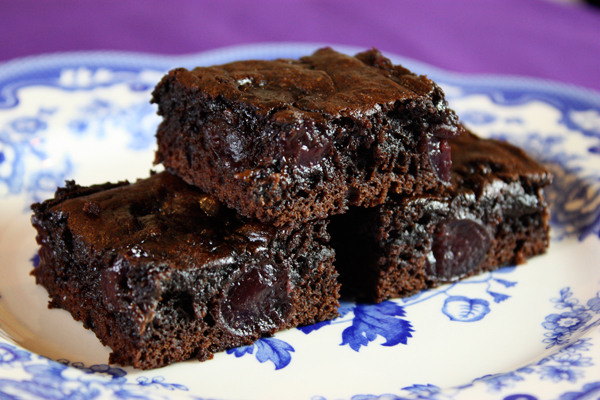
[495, 215]
[162, 273]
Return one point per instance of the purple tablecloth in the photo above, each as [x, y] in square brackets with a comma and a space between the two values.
[537, 38]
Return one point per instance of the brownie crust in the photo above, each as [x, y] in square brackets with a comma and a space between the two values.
[287, 141]
[162, 272]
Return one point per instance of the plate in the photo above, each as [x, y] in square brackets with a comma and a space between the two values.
[523, 333]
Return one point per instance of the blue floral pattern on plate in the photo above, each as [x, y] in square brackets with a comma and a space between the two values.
[107, 97]
[51, 380]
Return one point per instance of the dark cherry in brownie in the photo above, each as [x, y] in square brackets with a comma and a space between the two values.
[162, 272]
[494, 215]
[294, 140]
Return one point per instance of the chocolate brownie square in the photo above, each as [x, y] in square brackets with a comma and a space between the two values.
[288, 141]
[162, 272]
[494, 215]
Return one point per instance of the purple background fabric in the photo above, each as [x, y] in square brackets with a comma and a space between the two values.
[536, 38]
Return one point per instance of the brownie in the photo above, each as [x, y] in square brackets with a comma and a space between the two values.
[162, 272]
[494, 215]
[288, 141]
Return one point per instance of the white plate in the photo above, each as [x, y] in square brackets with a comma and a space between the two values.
[519, 333]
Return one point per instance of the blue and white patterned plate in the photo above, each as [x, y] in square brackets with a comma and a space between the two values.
[523, 333]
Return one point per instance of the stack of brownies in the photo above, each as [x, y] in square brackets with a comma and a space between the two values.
[285, 179]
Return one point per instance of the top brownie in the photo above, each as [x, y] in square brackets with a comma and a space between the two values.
[288, 141]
